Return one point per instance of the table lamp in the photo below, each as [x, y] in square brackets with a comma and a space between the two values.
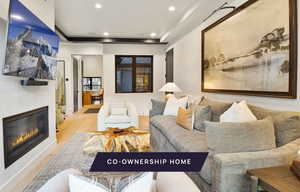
[170, 89]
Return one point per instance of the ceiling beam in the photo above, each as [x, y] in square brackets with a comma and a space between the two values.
[111, 40]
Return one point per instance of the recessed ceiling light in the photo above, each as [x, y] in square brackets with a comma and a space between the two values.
[106, 34]
[153, 34]
[98, 6]
[172, 8]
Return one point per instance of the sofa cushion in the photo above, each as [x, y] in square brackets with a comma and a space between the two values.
[183, 140]
[240, 137]
[218, 108]
[116, 119]
[118, 111]
[202, 113]
[286, 123]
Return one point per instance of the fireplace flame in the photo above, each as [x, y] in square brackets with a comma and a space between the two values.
[21, 139]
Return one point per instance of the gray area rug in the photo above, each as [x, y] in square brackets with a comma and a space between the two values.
[71, 156]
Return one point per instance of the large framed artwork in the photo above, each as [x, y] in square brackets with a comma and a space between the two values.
[252, 50]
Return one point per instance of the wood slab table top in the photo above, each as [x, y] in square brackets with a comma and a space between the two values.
[276, 179]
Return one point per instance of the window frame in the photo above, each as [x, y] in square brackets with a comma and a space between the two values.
[134, 66]
[90, 86]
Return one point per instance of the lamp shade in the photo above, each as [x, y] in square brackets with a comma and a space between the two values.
[170, 87]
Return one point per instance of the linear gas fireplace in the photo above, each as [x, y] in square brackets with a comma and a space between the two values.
[23, 132]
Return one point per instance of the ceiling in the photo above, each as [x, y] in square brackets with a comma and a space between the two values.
[131, 18]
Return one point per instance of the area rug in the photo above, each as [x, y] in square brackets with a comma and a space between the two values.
[92, 110]
[71, 156]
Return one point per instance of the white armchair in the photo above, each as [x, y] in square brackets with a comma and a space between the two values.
[118, 115]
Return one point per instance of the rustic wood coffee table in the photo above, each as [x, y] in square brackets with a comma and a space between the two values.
[130, 139]
[274, 179]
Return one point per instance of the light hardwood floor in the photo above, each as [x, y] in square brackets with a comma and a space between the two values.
[78, 121]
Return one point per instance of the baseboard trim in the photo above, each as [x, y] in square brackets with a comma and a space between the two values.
[22, 173]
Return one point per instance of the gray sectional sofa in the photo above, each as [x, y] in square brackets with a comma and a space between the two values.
[224, 172]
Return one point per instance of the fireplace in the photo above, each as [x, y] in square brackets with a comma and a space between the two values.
[23, 132]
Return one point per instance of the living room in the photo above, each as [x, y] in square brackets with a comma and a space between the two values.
[184, 43]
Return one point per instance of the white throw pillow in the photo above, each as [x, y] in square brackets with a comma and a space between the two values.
[84, 184]
[238, 113]
[118, 111]
[142, 183]
[173, 105]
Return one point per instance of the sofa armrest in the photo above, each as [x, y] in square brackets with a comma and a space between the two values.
[132, 113]
[229, 170]
[59, 182]
[102, 115]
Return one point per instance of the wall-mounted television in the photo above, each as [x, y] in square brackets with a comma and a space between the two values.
[31, 45]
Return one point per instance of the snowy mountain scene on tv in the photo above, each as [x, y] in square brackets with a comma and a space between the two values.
[31, 45]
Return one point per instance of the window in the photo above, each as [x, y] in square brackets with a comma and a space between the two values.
[92, 83]
[134, 74]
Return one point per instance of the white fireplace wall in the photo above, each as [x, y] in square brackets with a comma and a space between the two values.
[15, 99]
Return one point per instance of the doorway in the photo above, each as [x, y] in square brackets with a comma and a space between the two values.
[170, 66]
[75, 83]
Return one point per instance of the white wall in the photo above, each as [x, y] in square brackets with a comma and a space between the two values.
[16, 99]
[66, 51]
[92, 66]
[187, 69]
[141, 100]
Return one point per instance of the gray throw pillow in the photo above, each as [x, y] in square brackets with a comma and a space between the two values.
[287, 128]
[202, 113]
[218, 108]
[158, 107]
[240, 137]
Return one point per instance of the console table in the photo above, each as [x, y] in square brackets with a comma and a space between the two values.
[274, 179]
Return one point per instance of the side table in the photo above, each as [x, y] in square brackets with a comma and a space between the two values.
[274, 179]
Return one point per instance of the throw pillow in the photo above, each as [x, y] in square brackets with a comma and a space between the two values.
[185, 118]
[173, 105]
[140, 182]
[238, 113]
[287, 128]
[202, 113]
[158, 107]
[118, 111]
[240, 137]
[218, 108]
[193, 101]
[81, 183]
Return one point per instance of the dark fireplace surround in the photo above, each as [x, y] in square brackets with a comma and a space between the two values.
[23, 132]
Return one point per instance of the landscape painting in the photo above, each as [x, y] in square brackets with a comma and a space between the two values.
[252, 50]
[31, 45]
